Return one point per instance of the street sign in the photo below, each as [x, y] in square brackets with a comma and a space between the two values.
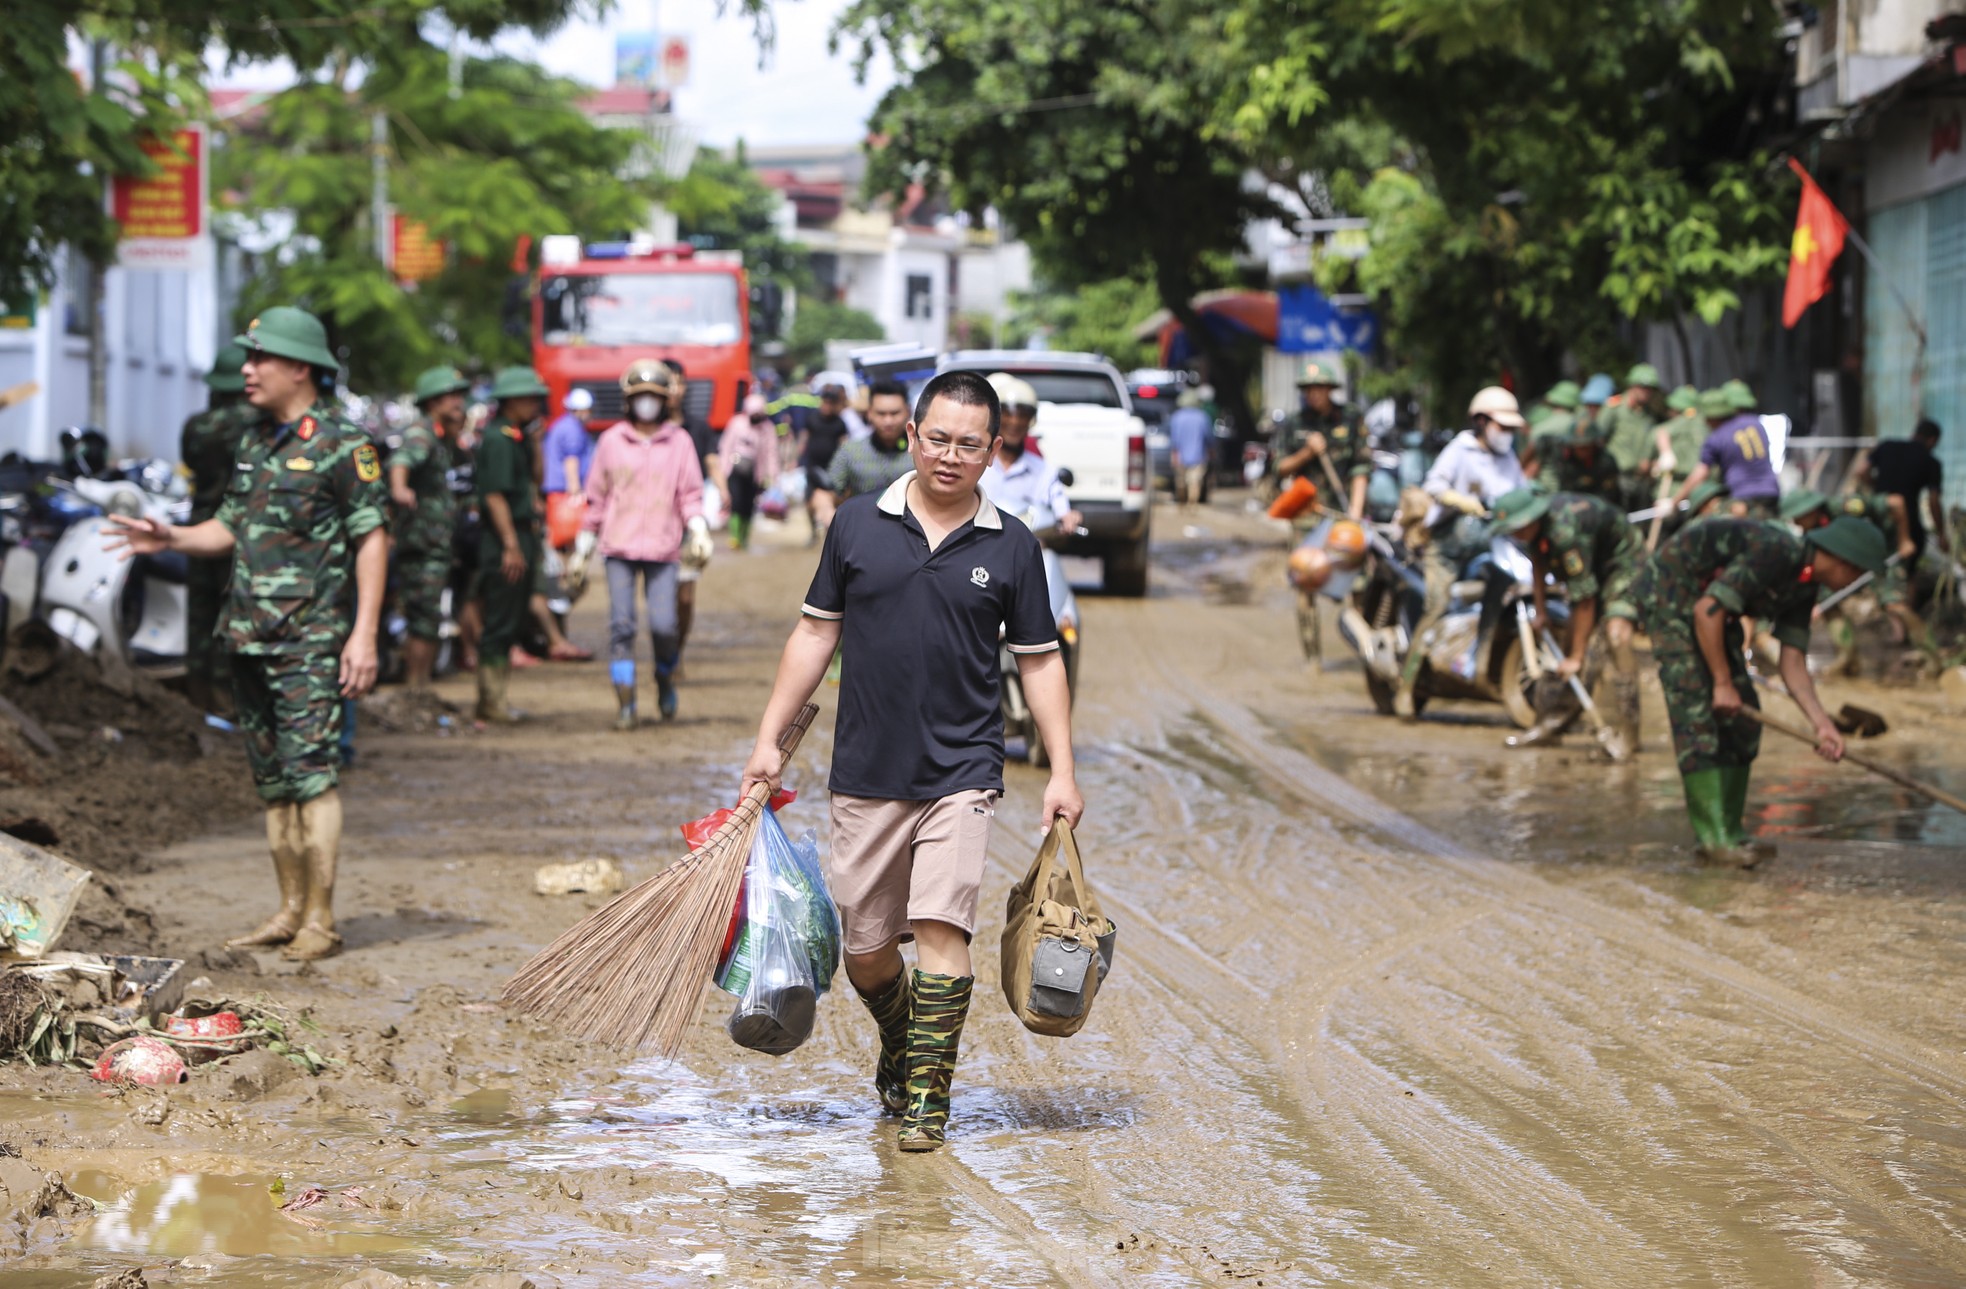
[1308, 322]
[164, 217]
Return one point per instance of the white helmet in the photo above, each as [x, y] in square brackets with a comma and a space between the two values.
[580, 400]
[1013, 391]
[1498, 405]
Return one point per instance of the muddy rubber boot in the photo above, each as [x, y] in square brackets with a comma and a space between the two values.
[1706, 810]
[892, 1009]
[934, 1034]
[494, 674]
[1624, 711]
[624, 717]
[1409, 680]
[1734, 809]
[665, 688]
[320, 831]
[290, 869]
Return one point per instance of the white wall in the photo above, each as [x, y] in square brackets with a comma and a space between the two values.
[929, 326]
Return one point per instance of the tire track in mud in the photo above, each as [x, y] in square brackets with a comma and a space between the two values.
[1302, 783]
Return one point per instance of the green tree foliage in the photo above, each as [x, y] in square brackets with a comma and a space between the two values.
[58, 136]
[1098, 317]
[507, 157]
[818, 321]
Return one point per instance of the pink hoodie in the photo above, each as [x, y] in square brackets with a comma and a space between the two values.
[642, 492]
[751, 439]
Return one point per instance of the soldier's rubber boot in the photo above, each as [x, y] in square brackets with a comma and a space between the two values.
[320, 832]
[494, 675]
[622, 673]
[665, 687]
[290, 870]
[1734, 809]
[1706, 810]
[934, 1034]
[892, 1009]
[1624, 711]
[1404, 706]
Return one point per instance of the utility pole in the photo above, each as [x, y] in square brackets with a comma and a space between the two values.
[379, 181]
[98, 322]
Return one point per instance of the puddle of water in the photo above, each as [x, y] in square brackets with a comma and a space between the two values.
[486, 1105]
[237, 1216]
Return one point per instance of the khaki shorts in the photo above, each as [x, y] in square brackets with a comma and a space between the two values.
[897, 862]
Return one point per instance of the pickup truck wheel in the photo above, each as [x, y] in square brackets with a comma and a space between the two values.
[1126, 570]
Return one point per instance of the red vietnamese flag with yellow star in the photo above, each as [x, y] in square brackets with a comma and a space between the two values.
[1819, 233]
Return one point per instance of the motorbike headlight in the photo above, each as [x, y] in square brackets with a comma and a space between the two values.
[126, 502]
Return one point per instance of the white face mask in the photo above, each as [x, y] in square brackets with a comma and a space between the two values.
[647, 408]
[1500, 442]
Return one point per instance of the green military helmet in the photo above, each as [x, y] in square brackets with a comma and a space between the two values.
[1598, 390]
[518, 382]
[1563, 394]
[1682, 400]
[1801, 502]
[225, 375]
[1515, 511]
[1742, 397]
[1642, 374]
[1851, 540]
[287, 332]
[1701, 495]
[1716, 404]
[439, 381]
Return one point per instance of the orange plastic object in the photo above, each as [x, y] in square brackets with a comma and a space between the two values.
[1294, 500]
[565, 512]
[1310, 568]
[1345, 543]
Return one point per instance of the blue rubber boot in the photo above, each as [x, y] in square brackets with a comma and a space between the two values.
[622, 673]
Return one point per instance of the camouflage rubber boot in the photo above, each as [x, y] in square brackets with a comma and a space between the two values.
[892, 1009]
[290, 870]
[934, 1033]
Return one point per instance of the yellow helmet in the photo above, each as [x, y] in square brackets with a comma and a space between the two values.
[647, 376]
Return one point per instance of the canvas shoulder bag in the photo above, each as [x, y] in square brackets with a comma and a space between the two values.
[1057, 944]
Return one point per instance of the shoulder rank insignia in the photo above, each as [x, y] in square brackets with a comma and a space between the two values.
[301, 464]
[306, 430]
[367, 468]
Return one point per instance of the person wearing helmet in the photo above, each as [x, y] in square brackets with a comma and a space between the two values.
[1568, 447]
[1691, 597]
[1019, 480]
[696, 555]
[1324, 430]
[509, 553]
[208, 446]
[644, 512]
[569, 447]
[1809, 510]
[1477, 466]
[426, 515]
[1736, 449]
[1626, 429]
[305, 521]
[1586, 543]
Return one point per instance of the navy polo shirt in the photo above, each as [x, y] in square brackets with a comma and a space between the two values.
[920, 714]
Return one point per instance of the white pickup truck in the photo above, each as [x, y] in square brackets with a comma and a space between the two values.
[1086, 425]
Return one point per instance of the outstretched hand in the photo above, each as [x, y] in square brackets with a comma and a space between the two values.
[128, 537]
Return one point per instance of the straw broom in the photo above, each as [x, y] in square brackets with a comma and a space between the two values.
[630, 974]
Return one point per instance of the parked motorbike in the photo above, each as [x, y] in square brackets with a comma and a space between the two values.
[1017, 720]
[1483, 648]
[134, 612]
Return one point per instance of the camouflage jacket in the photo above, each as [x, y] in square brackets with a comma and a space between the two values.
[1753, 569]
[1589, 544]
[1345, 443]
[1573, 452]
[208, 445]
[428, 526]
[504, 466]
[302, 495]
[1627, 433]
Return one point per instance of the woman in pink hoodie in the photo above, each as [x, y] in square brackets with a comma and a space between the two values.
[644, 503]
[749, 453]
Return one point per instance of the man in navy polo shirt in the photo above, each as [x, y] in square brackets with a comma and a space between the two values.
[914, 586]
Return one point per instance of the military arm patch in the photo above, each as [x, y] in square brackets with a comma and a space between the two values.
[367, 468]
[1854, 506]
[1573, 563]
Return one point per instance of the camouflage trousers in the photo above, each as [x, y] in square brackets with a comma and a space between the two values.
[206, 582]
[290, 710]
[421, 577]
[1703, 739]
[507, 604]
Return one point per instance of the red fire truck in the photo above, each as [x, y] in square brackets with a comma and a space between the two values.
[600, 306]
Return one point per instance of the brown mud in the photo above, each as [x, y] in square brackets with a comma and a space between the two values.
[1392, 1004]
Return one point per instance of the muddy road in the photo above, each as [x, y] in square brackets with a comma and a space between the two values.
[1391, 1005]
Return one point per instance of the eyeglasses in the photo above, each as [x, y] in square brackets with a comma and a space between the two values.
[967, 453]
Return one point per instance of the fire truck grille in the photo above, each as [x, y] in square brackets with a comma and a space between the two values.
[609, 405]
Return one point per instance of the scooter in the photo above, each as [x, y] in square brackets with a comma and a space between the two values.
[134, 612]
[1017, 719]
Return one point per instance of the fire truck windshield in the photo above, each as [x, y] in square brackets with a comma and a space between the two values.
[640, 309]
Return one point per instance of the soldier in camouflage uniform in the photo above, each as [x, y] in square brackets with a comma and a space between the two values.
[207, 447]
[1627, 425]
[1808, 510]
[1692, 596]
[1569, 448]
[1588, 544]
[426, 515]
[304, 522]
[509, 552]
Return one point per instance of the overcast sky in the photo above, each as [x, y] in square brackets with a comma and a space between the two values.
[802, 94]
